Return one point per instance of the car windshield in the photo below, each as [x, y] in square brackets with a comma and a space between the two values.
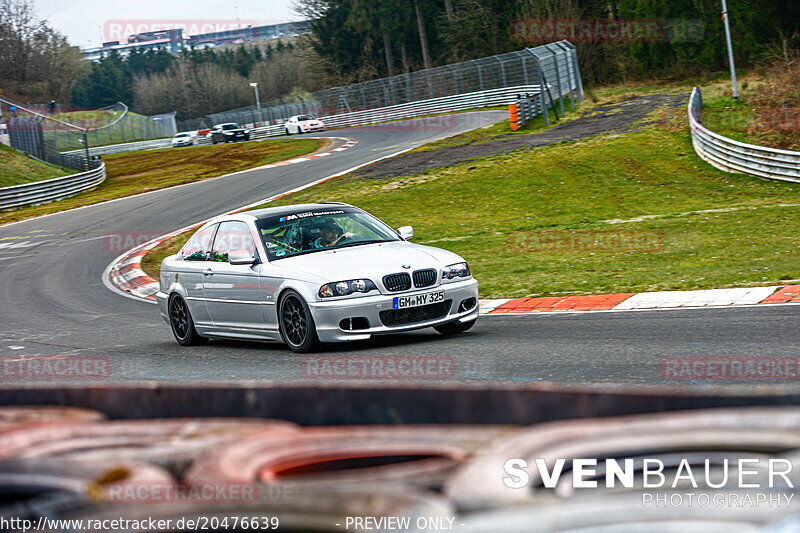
[311, 231]
[304, 117]
[182, 135]
[230, 127]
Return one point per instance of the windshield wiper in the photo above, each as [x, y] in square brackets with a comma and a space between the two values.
[373, 241]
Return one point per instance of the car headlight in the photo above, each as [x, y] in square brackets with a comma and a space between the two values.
[228, 133]
[457, 270]
[247, 131]
[343, 288]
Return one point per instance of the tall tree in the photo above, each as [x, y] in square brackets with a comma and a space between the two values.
[423, 36]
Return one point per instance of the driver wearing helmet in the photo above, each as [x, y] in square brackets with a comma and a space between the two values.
[330, 233]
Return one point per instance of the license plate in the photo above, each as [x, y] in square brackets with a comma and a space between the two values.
[416, 300]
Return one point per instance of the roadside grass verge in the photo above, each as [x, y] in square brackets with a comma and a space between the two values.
[148, 170]
[17, 168]
[498, 130]
[500, 213]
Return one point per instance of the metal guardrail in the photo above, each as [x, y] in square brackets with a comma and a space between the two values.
[446, 104]
[734, 156]
[42, 192]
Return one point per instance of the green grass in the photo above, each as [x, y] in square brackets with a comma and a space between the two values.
[478, 210]
[137, 172]
[492, 132]
[17, 168]
[711, 229]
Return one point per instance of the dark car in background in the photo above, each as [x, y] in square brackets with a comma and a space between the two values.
[228, 132]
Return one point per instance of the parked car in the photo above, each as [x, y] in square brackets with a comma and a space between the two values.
[303, 124]
[183, 138]
[228, 133]
[311, 273]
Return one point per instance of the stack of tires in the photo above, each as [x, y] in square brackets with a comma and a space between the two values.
[74, 464]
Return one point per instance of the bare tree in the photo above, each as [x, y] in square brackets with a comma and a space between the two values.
[35, 60]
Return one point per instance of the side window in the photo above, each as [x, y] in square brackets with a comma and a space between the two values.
[233, 237]
[198, 247]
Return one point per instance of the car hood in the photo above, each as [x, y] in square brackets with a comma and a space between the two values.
[371, 261]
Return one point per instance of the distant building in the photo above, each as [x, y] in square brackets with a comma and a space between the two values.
[173, 39]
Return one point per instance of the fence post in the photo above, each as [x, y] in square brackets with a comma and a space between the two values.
[455, 79]
[558, 81]
[480, 73]
[544, 108]
[502, 71]
[86, 148]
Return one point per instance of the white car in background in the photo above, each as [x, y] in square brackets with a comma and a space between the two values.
[303, 124]
[183, 138]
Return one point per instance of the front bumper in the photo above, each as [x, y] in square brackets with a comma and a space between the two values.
[327, 315]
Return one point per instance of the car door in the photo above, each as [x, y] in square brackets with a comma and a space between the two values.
[233, 292]
[194, 259]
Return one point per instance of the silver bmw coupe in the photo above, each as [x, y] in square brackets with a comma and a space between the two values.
[309, 274]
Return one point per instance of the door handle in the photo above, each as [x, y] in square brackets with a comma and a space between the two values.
[208, 272]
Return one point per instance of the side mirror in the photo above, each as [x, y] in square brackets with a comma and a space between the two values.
[241, 259]
[406, 232]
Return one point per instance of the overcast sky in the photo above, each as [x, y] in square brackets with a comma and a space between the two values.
[85, 21]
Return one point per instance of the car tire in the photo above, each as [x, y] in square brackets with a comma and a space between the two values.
[296, 324]
[287, 131]
[454, 328]
[182, 324]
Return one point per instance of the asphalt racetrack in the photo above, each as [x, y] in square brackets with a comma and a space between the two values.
[54, 306]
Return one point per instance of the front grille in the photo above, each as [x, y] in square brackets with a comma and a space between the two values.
[424, 278]
[412, 315]
[397, 282]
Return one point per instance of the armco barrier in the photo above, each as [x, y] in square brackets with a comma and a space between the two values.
[734, 156]
[42, 192]
[447, 104]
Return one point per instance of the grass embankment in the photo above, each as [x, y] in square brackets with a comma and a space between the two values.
[137, 172]
[17, 168]
[610, 214]
[500, 213]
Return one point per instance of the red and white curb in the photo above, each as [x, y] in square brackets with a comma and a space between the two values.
[349, 143]
[644, 300]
